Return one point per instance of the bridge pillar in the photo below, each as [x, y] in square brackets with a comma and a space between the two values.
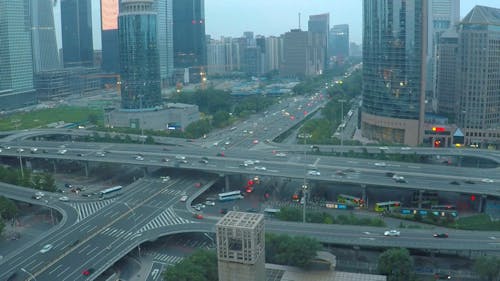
[420, 194]
[54, 166]
[86, 166]
[482, 202]
[363, 195]
[226, 185]
[145, 171]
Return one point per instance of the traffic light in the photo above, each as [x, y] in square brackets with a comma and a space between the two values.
[473, 197]
[437, 143]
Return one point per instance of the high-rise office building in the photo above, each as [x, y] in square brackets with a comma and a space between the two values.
[16, 55]
[164, 10]
[76, 22]
[321, 24]
[216, 57]
[338, 46]
[443, 15]
[139, 58]
[274, 51]
[303, 53]
[241, 247]
[446, 73]
[45, 51]
[478, 79]
[394, 52]
[189, 37]
[109, 36]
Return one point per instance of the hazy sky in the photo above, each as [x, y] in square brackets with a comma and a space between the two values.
[275, 17]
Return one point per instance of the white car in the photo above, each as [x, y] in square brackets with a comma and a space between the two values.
[62, 151]
[39, 193]
[487, 180]
[46, 248]
[406, 148]
[392, 232]
[20, 150]
[260, 168]
[313, 173]
[210, 203]
[140, 158]
[180, 157]
[380, 164]
[384, 148]
[63, 198]
[280, 154]
[101, 154]
[184, 198]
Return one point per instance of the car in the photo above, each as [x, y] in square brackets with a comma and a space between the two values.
[100, 154]
[280, 154]
[33, 150]
[220, 154]
[454, 182]
[63, 198]
[260, 168]
[80, 154]
[390, 174]
[223, 211]
[36, 197]
[400, 180]
[380, 164]
[46, 248]
[314, 173]
[39, 193]
[255, 141]
[198, 216]
[184, 161]
[470, 182]
[62, 151]
[392, 232]
[88, 272]
[252, 210]
[180, 157]
[209, 203]
[442, 276]
[248, 162]
[384, 148]
[20, 150]
[165, 178]
[340, 173]
[197, 184]
[184, 198]
[487, 180]
[7, 147]
[440, 235]
[140, 158]
[406, 148]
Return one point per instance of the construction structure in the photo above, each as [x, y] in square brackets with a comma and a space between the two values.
[241, 247]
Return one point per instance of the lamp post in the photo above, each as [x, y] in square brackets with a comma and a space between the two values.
[135, 227]
[21, 163]
[29, 273]
[304, 185]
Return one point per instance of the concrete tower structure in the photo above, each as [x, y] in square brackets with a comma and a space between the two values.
[394, 55]
[139, 58]
[77, 43]
[241, 247]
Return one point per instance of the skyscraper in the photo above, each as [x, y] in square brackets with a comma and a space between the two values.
[394, 52]
[76, 22]
[139, 58]
[189, 36]
[163, 9]
[339, 42]
[302, 53]
[321, 24]
[479, 77]
[16, 55]
[109, 35]
[447, 70]
[443, 15]
[45, 51]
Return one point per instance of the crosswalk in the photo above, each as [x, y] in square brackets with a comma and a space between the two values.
[166, 218]
[86, 209]
[165, 258]
[119, 233]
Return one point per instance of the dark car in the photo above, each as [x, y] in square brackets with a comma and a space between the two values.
[221, 154]
[88, 271]
[469, 182]
[442, 276]
[223, 211]
[440, 235]
[203, 161]
[455, 183]
[389, 174]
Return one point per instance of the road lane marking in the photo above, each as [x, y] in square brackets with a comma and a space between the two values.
[55, 269]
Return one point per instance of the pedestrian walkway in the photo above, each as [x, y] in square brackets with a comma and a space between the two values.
[166, 218]
[88, 208]
[119, 233]
[163, 258]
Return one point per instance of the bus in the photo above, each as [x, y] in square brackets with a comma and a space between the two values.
[231, 195]
[110, 192]
[350, 200]
[388, 206]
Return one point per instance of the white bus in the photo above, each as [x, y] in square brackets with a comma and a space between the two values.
[231, 195]
[110, 192]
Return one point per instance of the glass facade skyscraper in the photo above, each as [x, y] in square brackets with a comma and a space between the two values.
[16, 55]
[45, 52]
[163, 10]
[109, 35]
[189, 36]
[394, 50]
[339, 41]
[77, 43]
[139, 58]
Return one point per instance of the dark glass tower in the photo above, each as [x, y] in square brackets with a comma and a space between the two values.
[394, 49]
[76, 22]
[109, 36]
[45, 53]
[139, 58]
[189, 35]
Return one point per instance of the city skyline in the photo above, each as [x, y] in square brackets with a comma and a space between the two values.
[219, 12]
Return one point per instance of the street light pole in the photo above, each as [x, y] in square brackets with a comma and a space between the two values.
[135, 227]
[29, 273]
[21, 164]
[304, 185]
[342, 123]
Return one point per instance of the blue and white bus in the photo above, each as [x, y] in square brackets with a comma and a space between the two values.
[231, 195]
[110, 192]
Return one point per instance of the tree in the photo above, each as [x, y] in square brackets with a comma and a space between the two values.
[487, 267]
[93, 118]
[200, 266]
[8, 208]
[49, 183]
[2, 226]
[397, 264]
[291, 250]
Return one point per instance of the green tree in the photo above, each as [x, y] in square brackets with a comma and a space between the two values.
[8, 208]
[197, 129]
[48, 182]
[397, 264]
[2, 226]
[150, 140]
[220, 119]
[93, 118]
[200, 266]
[487, 267]
[291, 250]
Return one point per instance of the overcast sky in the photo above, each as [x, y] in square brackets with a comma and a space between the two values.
[275, 17]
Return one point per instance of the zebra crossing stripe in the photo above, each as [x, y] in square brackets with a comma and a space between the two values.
[165, 218]
[85, 210]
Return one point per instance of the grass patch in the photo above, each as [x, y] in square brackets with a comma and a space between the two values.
[41, 118]
[477, 222]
